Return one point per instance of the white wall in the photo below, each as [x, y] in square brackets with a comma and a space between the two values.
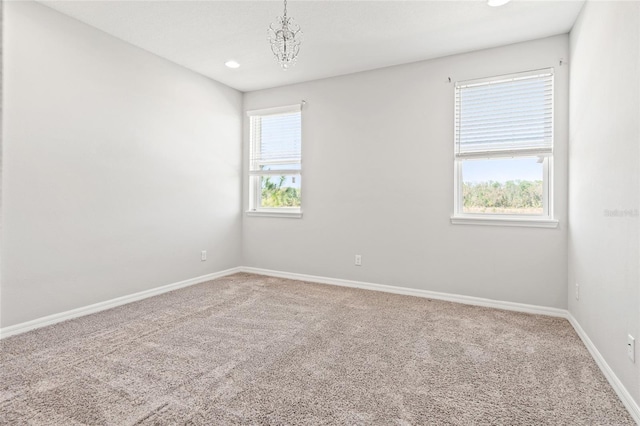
[378, 181]
[119, 167]
[604, 176]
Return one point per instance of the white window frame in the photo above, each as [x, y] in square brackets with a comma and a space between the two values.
[546, 220]
[255, 188]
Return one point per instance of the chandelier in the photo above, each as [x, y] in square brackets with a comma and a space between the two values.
[285, 37]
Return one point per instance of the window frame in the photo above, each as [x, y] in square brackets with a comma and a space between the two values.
[545, 220]
[254, 176]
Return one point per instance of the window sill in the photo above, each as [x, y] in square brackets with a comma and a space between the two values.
[506, 221]
[295, 214]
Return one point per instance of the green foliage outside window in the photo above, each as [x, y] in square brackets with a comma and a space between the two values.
[275, 195]
[511, 197]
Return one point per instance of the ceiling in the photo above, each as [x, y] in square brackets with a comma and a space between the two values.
[340, 37]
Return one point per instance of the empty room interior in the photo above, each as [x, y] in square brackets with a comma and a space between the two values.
[320, 212]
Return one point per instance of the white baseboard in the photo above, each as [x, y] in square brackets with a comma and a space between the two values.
[467, 300]
[616, 384]
[101, 306]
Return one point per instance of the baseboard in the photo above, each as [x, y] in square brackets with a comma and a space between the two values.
[101, 306]
[630, 404]
[467, 300]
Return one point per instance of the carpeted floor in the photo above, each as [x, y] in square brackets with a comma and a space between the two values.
[248, 349]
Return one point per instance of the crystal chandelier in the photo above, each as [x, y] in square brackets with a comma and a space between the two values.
[285, 37]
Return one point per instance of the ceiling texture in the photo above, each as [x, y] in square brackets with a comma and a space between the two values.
[340, 37]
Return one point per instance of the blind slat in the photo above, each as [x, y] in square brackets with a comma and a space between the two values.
[496, 124]
[497, 88]
[506, 91]
[523, 101]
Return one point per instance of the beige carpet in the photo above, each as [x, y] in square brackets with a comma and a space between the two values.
[248, 349]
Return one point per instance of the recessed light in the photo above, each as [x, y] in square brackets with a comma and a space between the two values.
[496, 3]
[232, 64]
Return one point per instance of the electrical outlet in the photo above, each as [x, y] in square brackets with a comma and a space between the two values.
[203, 255]
[358, 260]
[577, 291]
[631, 348]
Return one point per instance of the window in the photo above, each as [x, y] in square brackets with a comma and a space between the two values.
[504, 150]
[275, 162]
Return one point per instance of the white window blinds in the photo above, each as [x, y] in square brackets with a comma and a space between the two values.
[275, 140]
[510, 115]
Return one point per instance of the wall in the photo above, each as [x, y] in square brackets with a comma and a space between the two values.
[119, 168]
[378, 181]
[604, 177]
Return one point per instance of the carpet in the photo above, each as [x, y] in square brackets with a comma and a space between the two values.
[249, 349]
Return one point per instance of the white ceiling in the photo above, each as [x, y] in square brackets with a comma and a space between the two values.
[340, 37]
